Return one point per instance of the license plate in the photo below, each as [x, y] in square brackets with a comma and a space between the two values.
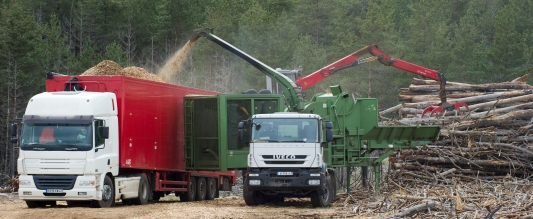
[54, 191]
[284, 174]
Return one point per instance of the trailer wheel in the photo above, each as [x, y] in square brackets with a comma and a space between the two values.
[190, 195]
[253, 199]
[211, 189]
[36, 204]
[108, 195]
[325, 199]
[144, 191]
[202, 189]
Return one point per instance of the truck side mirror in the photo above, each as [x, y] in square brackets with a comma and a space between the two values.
[104, 131]
[329, 133]
[13, 130]
[240, 131]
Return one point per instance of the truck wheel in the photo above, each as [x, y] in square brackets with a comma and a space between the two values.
[202, 189]
[325, 199]
[333, 180]
[256, 198]
[108, 195]
[36, 204]
[211, 189]
[144, 191]
[190, 195]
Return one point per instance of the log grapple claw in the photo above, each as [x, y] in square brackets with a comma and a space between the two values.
[444, 107]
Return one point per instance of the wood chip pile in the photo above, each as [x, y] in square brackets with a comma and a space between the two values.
[108, 67]
[490, 141]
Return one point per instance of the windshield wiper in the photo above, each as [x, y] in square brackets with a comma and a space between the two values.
[71, 149]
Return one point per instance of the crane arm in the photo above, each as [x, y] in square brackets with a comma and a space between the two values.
[346, 62]
[410, 67]
[292, 93]
[353, 60]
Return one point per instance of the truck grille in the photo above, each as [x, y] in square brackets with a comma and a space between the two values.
[284, 162]
[298, 159]
[65, 182]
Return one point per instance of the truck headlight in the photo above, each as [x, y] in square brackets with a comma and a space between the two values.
[254, 182]
[86, 183]
[253, 174]
[314, 182]
[24, 183]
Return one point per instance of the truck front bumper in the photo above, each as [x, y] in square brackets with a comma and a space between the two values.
[279, 181]
[29, 191]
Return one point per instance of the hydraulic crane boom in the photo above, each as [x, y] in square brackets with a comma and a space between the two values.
[352, 60]
[291, 91]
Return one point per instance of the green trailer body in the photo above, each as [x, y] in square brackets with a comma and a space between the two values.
[211, 141]
[356, 132]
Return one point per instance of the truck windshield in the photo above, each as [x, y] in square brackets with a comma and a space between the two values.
[56, 137]
[285, 130]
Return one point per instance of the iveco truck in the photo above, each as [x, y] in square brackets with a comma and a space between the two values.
[286, 158]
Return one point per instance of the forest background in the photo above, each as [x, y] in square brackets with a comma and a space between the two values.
[470, 41]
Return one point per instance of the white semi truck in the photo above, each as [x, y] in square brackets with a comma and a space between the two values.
[286, 158]
[133, 150]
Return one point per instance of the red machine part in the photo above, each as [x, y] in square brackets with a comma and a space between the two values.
[376, 54]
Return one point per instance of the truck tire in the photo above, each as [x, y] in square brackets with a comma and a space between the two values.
[256, 198]
[36, 204]
[190, 195]
[325, 199]
[333, 180]
[108, 194]
[202, 189]
[144, 191]
[212, 189]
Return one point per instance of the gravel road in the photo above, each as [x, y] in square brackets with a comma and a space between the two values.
[170, 207]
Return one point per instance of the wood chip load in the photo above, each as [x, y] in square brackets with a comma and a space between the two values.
[108, 67]
[492, 141]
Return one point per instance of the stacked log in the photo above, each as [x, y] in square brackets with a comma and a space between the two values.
[492, 141]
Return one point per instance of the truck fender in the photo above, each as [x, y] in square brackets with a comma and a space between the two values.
[100, 184]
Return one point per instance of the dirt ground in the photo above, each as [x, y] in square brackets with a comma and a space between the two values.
[228, 207]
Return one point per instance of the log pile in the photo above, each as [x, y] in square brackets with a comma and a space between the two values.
[492, 141]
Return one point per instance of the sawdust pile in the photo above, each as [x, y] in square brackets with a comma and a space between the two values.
[170, 71]
[108, 67]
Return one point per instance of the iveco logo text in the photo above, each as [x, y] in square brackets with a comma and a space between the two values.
[279, 157]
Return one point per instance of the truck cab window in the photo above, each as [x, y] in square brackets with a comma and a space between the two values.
[98, 139]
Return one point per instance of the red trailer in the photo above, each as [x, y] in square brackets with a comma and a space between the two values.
[135, 150]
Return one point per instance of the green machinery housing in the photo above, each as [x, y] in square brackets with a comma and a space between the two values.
[211, 141]
[356, 132]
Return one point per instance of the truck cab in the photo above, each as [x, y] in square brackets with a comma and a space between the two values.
[286, 158]
[60, 161]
